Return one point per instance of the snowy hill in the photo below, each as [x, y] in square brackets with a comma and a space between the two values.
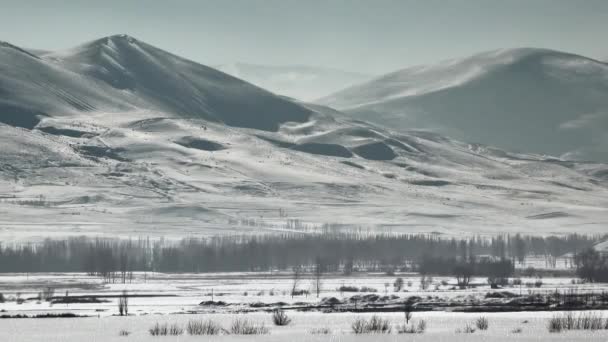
[526, 99]
[118, 137]
[120, 73]
[298, 81]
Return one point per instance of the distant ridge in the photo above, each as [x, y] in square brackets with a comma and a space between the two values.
[298, 81]
[524, 99]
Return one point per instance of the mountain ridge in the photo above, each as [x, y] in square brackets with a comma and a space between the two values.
[553, 100]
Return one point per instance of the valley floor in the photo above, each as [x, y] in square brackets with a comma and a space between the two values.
[177, 298]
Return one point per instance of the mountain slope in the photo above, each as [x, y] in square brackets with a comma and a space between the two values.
[520, 99]
[120, 73]
[118, 137]
[298, 81]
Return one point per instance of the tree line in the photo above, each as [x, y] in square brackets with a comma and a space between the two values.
[116, 259]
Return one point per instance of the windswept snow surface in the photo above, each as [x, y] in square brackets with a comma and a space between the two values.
[120, 138]
[526, 99]
[302, 82]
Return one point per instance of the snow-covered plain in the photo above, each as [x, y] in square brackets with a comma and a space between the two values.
[177, 297]
[120, 138]
[440, 327]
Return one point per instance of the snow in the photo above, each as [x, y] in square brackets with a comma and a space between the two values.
[526, 99]
[441, 327]
[177, 297]
[112, 154]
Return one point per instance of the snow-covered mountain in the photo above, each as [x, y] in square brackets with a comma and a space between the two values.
[118, 137]
[302, 82]
[525, 99]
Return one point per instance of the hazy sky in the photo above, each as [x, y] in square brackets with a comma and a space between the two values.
[372, 36]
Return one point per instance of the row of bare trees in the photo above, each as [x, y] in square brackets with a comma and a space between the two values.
[115, 260]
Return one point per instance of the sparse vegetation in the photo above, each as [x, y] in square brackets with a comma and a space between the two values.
[375, 325]
[320, 331]
[203, 327]
[166, 329]
[412, 329]
[242, 326]
[468, 329]
[159, 329]
[570, 321]
[175, 330]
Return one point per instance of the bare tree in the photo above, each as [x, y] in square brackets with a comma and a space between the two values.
[398, 284]
[297, 274]
[318, 275]
[407, 310]
[463, 275]
[123, 304]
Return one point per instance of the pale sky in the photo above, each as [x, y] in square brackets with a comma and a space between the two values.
[371, 36]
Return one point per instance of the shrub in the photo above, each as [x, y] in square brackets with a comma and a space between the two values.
[555, 324]
[517, 331]
[175, 330]
[348, 289]
[124, 333]
[203, 328]
[375, 325]
[280, 318]
[411, 329]
[359, 326]
[569, 321]
[246, 327]
[482, 323]
[159, 330]
[367, 289]
[165, 329]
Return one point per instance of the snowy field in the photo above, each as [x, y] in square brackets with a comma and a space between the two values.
[441, 326]
[160, 293]
[175, 298]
